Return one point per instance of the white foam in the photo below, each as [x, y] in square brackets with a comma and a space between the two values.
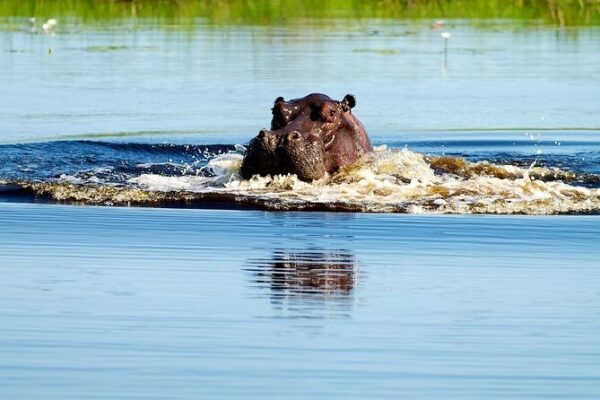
[395, 181]
[71, 179]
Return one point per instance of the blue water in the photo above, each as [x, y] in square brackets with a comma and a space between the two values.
[208, 83]
[153, 303]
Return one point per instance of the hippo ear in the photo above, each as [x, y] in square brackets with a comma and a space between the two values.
[349, 102]
[277, 100]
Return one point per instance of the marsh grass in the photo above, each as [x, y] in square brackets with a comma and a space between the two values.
[281, 12]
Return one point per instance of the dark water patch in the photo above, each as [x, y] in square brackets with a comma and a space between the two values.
[108, 162]
[510, 145]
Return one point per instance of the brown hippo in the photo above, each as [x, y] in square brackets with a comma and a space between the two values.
[308, 137]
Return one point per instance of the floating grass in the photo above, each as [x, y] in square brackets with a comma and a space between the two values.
[105, 49]
[383, 52]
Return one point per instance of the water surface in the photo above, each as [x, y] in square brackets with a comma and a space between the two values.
[151, 303]
[217, 84]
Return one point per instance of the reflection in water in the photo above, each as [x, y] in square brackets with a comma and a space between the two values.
[307, 280]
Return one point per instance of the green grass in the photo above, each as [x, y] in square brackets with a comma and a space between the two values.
[281, 12]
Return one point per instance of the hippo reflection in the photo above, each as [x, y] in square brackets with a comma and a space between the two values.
[308, 272]
[309, 137]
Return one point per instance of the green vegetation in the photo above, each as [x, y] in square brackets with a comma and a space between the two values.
[104, 49]
[276, 12]
[383, 52]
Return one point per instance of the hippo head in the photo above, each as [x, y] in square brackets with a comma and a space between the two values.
[308, 137]
[316, 107]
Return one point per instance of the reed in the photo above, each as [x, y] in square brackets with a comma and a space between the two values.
[281, 12]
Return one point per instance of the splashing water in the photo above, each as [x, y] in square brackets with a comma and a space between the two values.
[387, 180]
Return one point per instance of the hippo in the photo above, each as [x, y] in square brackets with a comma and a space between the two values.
[309, 137]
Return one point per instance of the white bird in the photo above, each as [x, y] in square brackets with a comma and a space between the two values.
[445, 36]
[49, 25]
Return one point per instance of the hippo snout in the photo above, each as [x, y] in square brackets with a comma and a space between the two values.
[272, 153]
[303, 155]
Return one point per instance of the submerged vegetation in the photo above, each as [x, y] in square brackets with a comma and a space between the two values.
[558, 12]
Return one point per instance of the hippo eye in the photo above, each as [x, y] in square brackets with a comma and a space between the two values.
[279, 118]
[315, 112]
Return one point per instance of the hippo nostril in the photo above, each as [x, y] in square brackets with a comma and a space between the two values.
[294, 135]
[262, 133]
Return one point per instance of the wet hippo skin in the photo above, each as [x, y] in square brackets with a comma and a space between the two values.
[309, 137]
